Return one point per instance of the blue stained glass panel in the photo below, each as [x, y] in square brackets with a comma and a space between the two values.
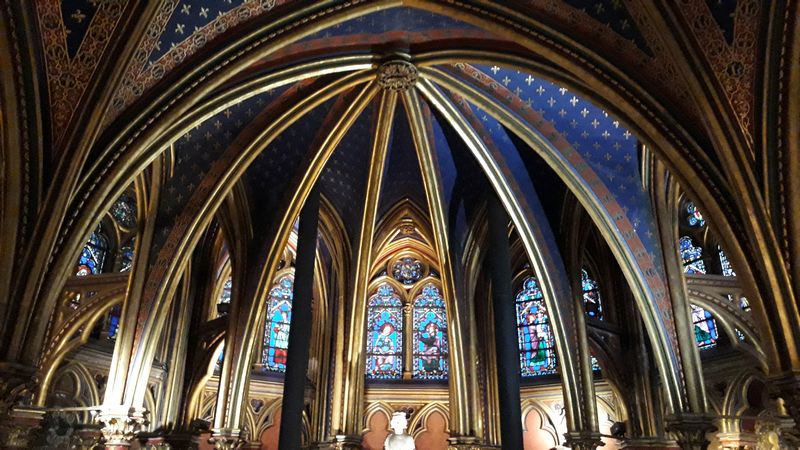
[124, 211]
[93, 254]
[536, 340]
[126, 256]
[591, 297]
[407, 270]
[113, 322]
[695, 217]
[705, 328]
[691, 256]
[385, 334]
[430, 335]
[276, 332]
[727, 268]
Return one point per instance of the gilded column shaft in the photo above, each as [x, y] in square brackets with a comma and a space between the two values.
[465, 418]
[353, 393]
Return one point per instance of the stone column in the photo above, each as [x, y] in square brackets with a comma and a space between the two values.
[300, 332]
[120, 426]
[691, 430]
[505, 327]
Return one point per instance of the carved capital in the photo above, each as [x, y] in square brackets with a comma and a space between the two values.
[226, 439]
[583, 440]
[397, 75]
[121, 424]
[690, 430]
[775, 429]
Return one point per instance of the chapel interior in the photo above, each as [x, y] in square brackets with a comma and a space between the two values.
[276, 224]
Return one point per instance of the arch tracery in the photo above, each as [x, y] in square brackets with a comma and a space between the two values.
[335, 92]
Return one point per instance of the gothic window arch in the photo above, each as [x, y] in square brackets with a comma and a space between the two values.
[430, 340]
[592, 302]
[536, 340]
[385, 333]
[93, 255]
[276, 330]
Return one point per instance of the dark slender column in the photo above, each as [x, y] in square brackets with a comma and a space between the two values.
[505, 327]
[300, 332]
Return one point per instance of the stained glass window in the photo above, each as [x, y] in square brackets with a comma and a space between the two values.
[705, 328]
[695, 218]
[124, 211]
[591, 297]
[595, 364]
[112, 322]
[93, 254]
[385, 334]
[691, 256]
[430, 335]
[407, 270]
[727, 268]
[276, 332]
[536, 341]
[225, 294]
[126, 256]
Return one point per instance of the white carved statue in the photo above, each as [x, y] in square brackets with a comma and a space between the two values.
[399, 440]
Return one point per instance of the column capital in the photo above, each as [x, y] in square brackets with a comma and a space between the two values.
[226, 438]
[120, 424]
[583, 440]
[775, 428]
[690, 430]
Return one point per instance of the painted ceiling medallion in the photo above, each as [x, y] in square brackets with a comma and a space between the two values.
[397, 75]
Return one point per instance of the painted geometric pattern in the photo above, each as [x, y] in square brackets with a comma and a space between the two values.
[430, 335]
[179, 29]
[385, 334]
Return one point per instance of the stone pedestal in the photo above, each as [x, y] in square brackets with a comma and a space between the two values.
[584, 440]
[120, 426]
[691, 430]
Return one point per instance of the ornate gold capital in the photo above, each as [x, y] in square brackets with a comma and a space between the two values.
[121, 424]
[226, 439]
[397, 75]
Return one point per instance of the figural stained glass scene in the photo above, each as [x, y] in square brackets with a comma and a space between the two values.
[482, 224]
